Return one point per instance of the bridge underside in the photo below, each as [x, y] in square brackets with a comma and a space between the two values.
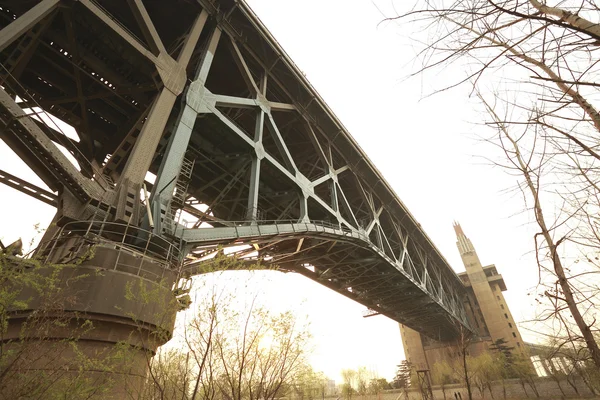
[339, 259]
[198, 94]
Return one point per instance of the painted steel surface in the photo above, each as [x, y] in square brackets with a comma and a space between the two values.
[244, 150]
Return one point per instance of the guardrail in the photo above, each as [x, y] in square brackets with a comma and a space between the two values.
[76, 240]
[241, 229]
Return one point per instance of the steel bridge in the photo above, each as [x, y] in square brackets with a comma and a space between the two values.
[245, 152]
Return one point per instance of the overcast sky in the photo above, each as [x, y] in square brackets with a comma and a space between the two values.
[427, 149]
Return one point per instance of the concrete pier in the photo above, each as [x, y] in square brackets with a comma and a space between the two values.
[107, 309]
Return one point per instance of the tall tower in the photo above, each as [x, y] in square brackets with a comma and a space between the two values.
[491, 313]
[486, 308]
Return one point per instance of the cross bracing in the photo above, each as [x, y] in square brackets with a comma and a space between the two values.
[150, 84]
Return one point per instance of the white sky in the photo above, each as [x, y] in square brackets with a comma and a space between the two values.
[426, 149]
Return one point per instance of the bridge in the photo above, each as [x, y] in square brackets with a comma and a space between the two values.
[196, 131]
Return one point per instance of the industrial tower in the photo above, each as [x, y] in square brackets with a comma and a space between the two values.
[486, 308]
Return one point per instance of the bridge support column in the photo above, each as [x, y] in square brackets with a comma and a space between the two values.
[184, 125]
[259, 154]
[101, 325]
[413, 348]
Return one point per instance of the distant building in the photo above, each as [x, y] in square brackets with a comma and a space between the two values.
[486, 309]
[331, 388]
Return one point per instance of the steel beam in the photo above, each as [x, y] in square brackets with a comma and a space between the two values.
[252, 207]
[281, 145]
[208, 56]
[242, 66]
[25, 22]
[179, 141]
[192, 39]
[134, 42]
[141, 155]
[28, 188]
[148, 30]
[173, 158]
[24, 136]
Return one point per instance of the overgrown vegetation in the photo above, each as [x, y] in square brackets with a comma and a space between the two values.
[37, 334]
[227, 348]
[224, 351]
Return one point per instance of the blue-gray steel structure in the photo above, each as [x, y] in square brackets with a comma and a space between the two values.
[244, 150]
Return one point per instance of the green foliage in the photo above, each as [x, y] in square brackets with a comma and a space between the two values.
[308, 384]
[362, 379]
[485, 370]
[227, 351]
[349, 381]
[33, 342]
[236, 351]
[156, 303]
[442, 374]
[226, 262]
[347, 391]
[378, 385]
[501, 348]
[524, 371]
[170, 371]
[403, 376]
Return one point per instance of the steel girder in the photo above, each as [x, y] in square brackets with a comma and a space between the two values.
[344, 260]
[145, 93]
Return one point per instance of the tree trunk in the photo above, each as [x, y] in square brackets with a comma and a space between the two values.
[569, 299]
[557, 379]
[533, 387]
[523, 386]
[572, 384]
[467, 383]
[562, 279]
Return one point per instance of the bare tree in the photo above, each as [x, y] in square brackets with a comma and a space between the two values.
[308, 384]
[442, 375]
[170, 374]
[349, 381]
[284, 356]
[531, 160]
[199, 336]
[543, 57]
[463, 364]
[228, 348]
[566, 360]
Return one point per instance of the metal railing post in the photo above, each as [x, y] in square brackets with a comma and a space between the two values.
[55, 240]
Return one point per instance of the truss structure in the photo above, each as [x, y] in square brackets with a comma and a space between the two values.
[155, 86]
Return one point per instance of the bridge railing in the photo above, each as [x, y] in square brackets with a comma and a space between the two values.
[139, 251]
[242, 232]
[246, 228]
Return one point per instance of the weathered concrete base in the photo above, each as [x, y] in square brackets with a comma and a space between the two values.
[97, 330]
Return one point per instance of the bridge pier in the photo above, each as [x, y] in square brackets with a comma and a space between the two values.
[112, 307]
